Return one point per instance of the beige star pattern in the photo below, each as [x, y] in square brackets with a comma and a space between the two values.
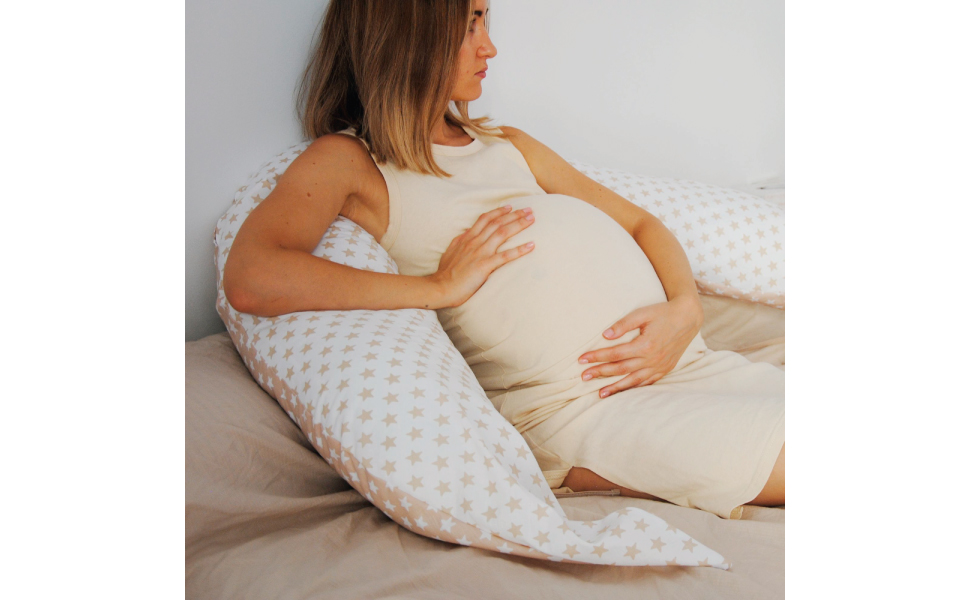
[734, 240]
[387, 400]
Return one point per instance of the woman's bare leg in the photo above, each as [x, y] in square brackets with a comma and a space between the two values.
[580, 479]
[774, 492]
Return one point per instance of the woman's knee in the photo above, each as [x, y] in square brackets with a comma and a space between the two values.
[773, 493]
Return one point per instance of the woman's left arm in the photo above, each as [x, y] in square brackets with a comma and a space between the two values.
[666, 329]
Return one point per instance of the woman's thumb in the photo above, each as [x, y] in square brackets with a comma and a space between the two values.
[630, 321]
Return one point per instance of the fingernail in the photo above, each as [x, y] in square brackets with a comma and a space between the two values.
[530, 217]
[527, 210]
[507, 206]
[608, 332]
[530, 245]
[587, 377]
[583, 361]
[604, 394]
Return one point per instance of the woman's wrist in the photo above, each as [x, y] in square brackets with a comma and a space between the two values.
[690, 307]
[435, 295]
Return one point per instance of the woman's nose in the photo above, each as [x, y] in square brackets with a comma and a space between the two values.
[488, 49]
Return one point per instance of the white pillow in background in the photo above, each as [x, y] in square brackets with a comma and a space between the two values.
[389, 402]
[735, 241]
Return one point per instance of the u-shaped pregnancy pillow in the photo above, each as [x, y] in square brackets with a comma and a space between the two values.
[735, 241]
[389, 402]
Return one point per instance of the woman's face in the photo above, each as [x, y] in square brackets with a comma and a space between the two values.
[475, 50]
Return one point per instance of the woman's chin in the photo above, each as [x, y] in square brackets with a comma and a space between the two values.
[468, 95]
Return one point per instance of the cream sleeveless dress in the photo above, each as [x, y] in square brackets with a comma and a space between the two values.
[706, 435]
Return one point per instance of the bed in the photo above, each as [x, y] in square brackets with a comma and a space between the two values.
[268, 517]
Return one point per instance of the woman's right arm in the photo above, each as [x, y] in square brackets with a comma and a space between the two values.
[270, 270]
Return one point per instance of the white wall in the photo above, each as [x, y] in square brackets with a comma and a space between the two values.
[243, 61]
[688, 88]
[692, 89]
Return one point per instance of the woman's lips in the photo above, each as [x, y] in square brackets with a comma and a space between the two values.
[481, 74]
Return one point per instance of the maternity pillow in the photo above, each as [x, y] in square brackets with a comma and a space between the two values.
[735, 241]
[388, 401]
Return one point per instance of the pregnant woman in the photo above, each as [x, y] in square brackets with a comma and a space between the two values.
[576, 310]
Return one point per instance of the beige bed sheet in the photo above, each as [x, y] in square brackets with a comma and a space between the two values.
[755, 330]
[266, 517]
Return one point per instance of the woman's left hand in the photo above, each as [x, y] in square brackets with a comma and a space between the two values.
[666, 329]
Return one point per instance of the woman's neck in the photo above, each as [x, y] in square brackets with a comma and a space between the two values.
[449, 135]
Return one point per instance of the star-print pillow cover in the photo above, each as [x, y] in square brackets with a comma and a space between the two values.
[735, 241]
[389, 402]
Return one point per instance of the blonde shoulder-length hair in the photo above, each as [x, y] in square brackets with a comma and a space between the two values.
[387, 68]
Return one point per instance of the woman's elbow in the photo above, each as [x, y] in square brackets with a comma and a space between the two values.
[238, 285]
[238, 297]
[240, 300]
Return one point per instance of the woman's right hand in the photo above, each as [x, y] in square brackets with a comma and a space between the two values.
[472, 256]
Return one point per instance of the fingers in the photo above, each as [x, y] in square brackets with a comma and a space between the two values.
[635, 379]
[474, 253]
[502, 228]
[509, 255]
[485, 219]
[635, 347]
[614, 368]
[634, 320]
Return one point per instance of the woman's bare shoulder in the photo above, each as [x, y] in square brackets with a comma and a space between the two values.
[336, 160]
[342, 162]
[338, 149]
[515, 135]
[525, 143]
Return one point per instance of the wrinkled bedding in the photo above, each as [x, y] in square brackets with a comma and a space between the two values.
[267, 517]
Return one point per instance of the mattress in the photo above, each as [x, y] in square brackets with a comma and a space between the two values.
[267, 517]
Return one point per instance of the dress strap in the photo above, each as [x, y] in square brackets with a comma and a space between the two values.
[351, 131]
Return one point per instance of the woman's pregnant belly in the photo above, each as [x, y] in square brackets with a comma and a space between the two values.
[533, 317]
